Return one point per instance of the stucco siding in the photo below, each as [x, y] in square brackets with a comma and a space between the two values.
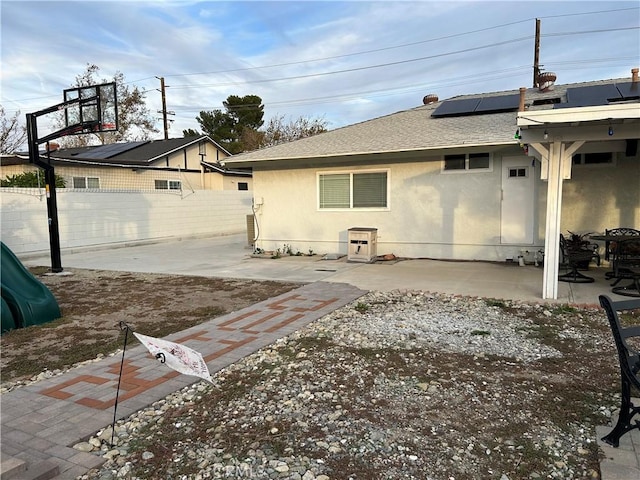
[432, 214]
[601, 197]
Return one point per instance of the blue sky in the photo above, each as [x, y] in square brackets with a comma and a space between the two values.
[344, 62]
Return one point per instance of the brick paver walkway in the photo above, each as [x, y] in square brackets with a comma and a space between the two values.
[42, 421]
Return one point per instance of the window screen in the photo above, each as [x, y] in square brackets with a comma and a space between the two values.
[334, 191]
[479, 160]
[369, 190]
[353, 190]
[454, 162]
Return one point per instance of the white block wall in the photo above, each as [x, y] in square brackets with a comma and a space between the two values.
[92, 219]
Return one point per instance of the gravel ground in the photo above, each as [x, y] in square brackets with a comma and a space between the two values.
[398, 385]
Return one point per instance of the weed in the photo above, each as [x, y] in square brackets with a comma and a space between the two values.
[492, 302]
[562, 309]
[362, 307]
[480, 332]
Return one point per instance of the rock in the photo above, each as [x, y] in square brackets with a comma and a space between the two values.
[83, 446]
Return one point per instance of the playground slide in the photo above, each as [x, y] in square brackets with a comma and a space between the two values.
[28, 299]
[6, 317]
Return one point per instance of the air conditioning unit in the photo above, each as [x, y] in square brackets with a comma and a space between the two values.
[362, 244]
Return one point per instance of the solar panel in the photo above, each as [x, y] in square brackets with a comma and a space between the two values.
[628, 91]
[106, 151]
[503, 103]
[450, 108]
[590, 96]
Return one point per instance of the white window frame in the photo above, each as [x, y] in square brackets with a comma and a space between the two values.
[86, 182]
[351, 173]
[466, 169]
[177, 184]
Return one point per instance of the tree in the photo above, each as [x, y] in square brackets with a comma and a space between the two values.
[29, 179]
[278, 131]
[134, 119]
[190, 132]
[239, 128]
[242, 117]
[12, 134]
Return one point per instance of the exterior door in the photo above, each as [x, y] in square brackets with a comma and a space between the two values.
[517, 209]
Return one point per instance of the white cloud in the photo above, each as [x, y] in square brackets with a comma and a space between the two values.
[199, 48]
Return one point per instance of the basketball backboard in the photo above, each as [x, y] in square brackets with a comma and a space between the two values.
[95, 111]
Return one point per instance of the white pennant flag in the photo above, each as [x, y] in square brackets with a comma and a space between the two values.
[178, 357]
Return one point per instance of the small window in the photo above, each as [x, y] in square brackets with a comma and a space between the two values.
[243, 186]
[86, 182]
[168, 185]
[479, 161]
[463, 162]
[517, 172]
[353, 190]
[454, 162]
[603, 158]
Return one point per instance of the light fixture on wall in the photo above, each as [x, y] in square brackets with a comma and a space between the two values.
[546, 134]
[610, 130]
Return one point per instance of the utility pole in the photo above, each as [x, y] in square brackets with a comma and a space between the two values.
[536, 56]
[164, 109]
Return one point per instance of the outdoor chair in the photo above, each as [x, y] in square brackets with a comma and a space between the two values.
[610, 245]
[574, 258]
[629, 362]
[626, 266]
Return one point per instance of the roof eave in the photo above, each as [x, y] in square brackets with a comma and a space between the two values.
[332, 156]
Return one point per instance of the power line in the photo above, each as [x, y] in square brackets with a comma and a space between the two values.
[446, 37]
[355, 69]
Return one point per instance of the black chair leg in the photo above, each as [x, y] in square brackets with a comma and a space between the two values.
[574, 276]
[627, 412]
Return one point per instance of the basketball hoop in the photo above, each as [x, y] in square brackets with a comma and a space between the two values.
[94, 110]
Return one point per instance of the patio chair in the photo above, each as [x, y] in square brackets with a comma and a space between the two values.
[626, 266]
[629, 362]
[610, 245]
[574, 258]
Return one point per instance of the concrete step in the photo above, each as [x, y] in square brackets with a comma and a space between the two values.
[16, 469]
[11, 467]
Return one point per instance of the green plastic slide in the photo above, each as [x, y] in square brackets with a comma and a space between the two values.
[27, 299]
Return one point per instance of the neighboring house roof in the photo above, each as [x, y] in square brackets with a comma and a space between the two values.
[419, 130]
[128, 154]
[132, 153]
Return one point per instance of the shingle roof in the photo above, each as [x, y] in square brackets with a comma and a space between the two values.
[413, 130]
[130, 153]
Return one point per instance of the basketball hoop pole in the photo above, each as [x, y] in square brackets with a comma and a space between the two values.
[49, 175]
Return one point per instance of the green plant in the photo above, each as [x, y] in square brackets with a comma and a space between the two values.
[310, 253]
[29, 179]
[258, 251]
[276, 254]
[560, 309]
[362, 307]
[492, 302]
[480, 332]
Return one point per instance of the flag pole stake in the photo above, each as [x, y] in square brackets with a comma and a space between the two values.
[126, 328]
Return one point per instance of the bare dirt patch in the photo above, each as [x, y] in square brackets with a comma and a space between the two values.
[94, 302]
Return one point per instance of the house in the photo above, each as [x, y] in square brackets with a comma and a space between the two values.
[191, 163]
[467, 178]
